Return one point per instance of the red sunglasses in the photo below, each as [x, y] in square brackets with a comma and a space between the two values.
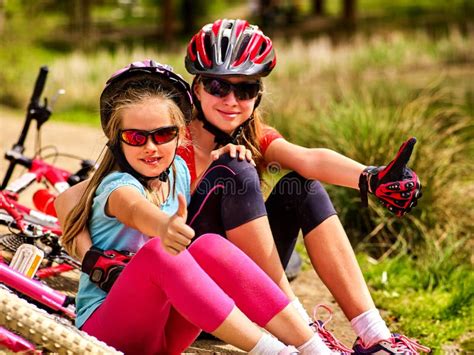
[221, 88]
[138, 137]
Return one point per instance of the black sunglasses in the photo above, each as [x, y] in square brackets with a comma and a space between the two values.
[221, 88]
[138, 137]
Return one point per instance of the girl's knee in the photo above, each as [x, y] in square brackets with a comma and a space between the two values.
[206, 239]
[214, 247]
[153, 246]
[234, 165]
[208, 243]
[295, 186]
[155, 255]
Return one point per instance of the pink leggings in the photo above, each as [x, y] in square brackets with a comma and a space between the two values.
[160, 302]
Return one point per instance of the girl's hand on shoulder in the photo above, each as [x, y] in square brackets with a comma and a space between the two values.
[239, 151]
[178, 234]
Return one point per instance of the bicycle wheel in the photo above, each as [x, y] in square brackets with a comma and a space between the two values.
[45, 330]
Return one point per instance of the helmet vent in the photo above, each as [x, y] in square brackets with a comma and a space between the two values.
[243, 46]
[208, 45]
[224, 45]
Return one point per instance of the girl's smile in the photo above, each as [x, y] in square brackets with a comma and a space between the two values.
[152, 161]
[228, 114]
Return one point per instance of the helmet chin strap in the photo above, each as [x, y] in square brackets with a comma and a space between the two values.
[222, 138]
[127, 168]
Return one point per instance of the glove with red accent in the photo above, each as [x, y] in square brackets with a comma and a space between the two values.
[395, 185]
[104, 266]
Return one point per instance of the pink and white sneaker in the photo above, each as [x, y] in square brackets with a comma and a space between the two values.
[328, 338]
[396, 344]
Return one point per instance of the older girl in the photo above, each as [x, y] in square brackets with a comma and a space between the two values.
[228, 59]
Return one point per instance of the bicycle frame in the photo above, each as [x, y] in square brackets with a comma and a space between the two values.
[38, 170]
[36, 226]
[36, 290]
[27, 220]
[41, 171]
[30, 222]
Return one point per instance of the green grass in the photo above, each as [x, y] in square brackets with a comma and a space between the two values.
[438, 312]
[78, 115]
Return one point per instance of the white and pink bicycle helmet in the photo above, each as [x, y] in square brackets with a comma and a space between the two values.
[230, 47]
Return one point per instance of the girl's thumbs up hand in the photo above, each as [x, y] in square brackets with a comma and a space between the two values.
[178, 234]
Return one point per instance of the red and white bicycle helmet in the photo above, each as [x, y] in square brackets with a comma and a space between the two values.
[230, 47]
[146, 70]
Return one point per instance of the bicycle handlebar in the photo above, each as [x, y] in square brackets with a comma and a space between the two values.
[39, 86]
[35, 112]
[18, 158]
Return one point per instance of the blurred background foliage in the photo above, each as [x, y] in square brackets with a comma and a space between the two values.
[356, 76]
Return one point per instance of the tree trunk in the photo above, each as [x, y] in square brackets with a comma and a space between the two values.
[349, 11]
[80, 20]
[188, 16]
[318, 7]
[167, 17]
[265, 12]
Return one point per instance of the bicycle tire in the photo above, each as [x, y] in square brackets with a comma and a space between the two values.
[45, 330]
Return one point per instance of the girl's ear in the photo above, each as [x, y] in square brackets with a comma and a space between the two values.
[196, 90]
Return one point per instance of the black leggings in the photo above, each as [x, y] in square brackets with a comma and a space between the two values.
[296, 203]
[229, 195]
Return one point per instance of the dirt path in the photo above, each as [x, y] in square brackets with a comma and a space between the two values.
[87, 142]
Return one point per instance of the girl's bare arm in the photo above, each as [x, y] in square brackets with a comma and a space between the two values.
[315, 163]
[134, 210]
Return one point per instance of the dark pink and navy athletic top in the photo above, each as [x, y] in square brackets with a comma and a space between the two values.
[228, 195]
[187, 153]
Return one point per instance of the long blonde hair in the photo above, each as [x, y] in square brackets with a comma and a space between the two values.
[77, 219]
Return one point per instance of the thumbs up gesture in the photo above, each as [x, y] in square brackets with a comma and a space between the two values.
[395, 185]
[178, 234]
